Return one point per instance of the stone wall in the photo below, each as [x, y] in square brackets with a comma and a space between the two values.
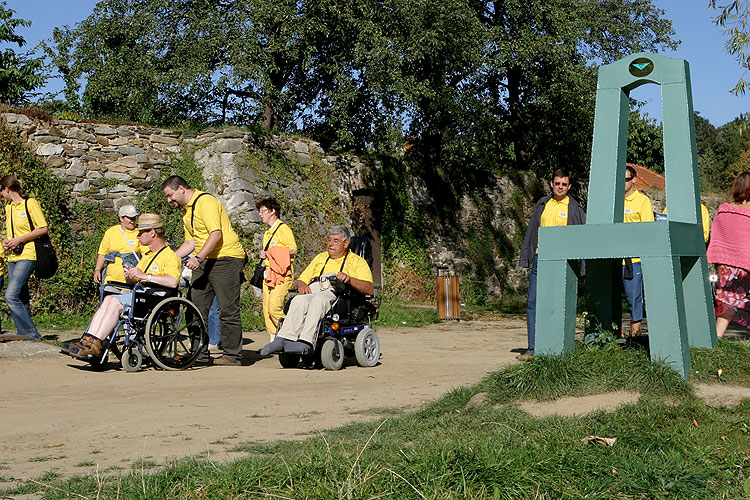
[111, 165]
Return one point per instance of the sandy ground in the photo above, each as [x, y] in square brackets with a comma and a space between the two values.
[59, 415]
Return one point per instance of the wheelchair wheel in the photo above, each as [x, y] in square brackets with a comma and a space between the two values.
[132, 359]
[289, 360]
[175, 334]
[332, 354]
[367, 347]
[308, 360]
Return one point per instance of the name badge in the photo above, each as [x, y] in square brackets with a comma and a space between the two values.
[132, 242]
[22, 214]
[563, 215]
[627, 211]
[154, 267]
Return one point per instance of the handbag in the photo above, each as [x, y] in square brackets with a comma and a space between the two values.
[46, 257]
[259, 275]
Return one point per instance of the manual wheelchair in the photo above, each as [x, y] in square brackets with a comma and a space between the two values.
[345, 330]
[160, 327]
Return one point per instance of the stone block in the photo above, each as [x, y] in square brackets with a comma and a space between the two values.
[40, 132]
[127, 161]
[153, 175]
[93, 174]
[120, 176]
[316, 149]
[107, 203]
[231, 133]
[46, 139]
[84, 185]
[104, 130]
[119, 141]
[228, 146]
[102, 140]
[304, 158]
[49, 149]
[55, 161]
[301, 147]
[119, 188]
[162, 139]
[131, 151]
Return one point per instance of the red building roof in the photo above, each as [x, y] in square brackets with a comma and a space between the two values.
[647, 178]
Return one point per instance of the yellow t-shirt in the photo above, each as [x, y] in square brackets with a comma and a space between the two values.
[555, 213]
[637, 209]
[355, 266]
[166, 263]
[283, 237]
[114, 241]
[17, 224]
[210, 216]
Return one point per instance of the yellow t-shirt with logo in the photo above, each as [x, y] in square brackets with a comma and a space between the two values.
[637, 209]
[355, 266]
[283, 237]
[555, 213]
[17, 224]
[165, 263]
[115, 241]
[210, 216]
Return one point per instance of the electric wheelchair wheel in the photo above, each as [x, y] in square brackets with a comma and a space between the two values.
[289, 360]
[131, 359]
[175, 334]
[308, 360]
[367, 347]
[332, 354]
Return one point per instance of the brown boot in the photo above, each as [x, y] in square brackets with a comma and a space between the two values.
[83, 341]
[90, 347]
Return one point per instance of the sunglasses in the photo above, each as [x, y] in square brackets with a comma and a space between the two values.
[628, 179]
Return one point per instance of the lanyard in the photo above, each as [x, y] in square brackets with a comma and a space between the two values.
[326, 263]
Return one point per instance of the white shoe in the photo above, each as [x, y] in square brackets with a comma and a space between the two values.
[213, 348]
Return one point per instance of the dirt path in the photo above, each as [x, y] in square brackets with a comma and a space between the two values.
[57, 415]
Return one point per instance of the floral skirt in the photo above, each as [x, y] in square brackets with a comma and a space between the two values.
[733, 294]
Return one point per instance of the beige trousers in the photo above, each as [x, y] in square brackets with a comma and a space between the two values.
[305, 312]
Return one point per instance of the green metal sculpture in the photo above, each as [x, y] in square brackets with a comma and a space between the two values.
[673, 255]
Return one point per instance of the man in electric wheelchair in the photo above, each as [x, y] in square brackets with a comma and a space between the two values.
[329, 274]
[159, 266]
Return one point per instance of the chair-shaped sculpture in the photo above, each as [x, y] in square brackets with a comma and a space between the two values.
[675, 271]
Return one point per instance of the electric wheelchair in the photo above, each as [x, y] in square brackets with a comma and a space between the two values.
[159, 327]
[346, 329]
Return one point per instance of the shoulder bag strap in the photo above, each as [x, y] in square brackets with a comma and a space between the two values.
[129, 245]
[31, 222]
[192, 213]
[326, 263]
[272, 235]
[154, 257]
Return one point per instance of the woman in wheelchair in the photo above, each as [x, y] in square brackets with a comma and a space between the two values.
[160, 266]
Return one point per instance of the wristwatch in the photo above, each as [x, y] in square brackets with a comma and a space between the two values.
[148, 277]
[199, 259]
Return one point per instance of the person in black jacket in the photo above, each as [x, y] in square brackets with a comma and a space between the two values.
[556, 210]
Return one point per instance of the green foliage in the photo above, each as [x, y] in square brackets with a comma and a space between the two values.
[19, 73]
[733, 20]
[645, 142]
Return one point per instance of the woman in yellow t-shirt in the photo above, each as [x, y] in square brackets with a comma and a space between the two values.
[277, 238]
[20, 251]
[119, 246]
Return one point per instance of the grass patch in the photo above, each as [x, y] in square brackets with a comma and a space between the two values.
[669, 444]
[397, 313]
[706, 363]
[88, 463]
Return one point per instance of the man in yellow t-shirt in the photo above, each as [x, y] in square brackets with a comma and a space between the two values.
[637, 209]
[297, 332]
[217, 262]
[119, 246]
[160, 265]
[559, 209]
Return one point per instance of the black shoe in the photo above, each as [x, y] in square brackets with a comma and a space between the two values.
[298, 347]
[203, 361]
[273, 347]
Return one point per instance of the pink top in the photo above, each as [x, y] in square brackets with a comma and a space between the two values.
[728, 245]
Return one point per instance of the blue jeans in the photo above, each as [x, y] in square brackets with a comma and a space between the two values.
[531, 306]
[634, 292]
[17, 297]
[213, 323]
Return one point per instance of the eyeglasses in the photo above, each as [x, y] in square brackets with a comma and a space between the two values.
[562, 184]
[628, 179]
[263, 210]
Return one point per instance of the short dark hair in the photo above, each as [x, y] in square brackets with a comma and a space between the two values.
[561, 172]
[270, 204]
[631, 170]
[741, 188]
[11, 182]
[174, 182]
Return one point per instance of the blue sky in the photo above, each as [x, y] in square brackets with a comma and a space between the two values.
[713, 73]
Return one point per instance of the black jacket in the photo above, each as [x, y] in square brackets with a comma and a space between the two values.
[576, 216]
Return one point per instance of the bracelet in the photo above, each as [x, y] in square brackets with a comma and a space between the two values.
[97, 269]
